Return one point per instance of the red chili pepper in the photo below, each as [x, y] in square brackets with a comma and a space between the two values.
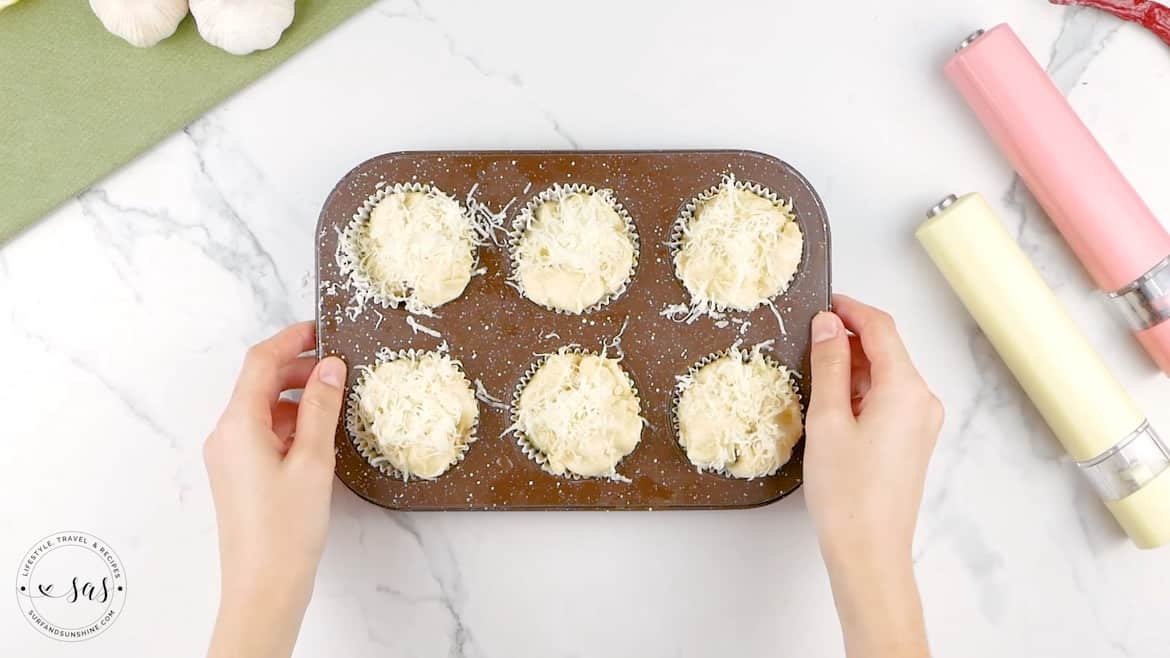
[1155, 16]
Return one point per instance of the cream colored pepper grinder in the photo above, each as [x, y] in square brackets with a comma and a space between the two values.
[1095, 419]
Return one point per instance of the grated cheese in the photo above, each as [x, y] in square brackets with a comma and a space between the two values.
[581, 412]
[739, 414]
[574, 250]
[779, 320]
[488, 225]
[416, 410]
[414, 248]
[418, 327]
[615, 343]
[683, 314]
[481, 394]
[738, 249]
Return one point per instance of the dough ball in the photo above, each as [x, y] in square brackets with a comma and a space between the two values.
[417, 246]
[417, 411]
[575, 251]
[739, 415]
[581, 412]
[739, 249]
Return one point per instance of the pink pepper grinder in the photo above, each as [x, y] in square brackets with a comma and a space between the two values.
[1114, 234]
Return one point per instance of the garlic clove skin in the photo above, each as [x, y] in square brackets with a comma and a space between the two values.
[242, 26]
[142, 23]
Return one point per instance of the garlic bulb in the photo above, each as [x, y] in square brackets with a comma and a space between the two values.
[142, 23]
[242, 26]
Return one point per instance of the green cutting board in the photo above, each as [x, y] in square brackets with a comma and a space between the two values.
[76, 102]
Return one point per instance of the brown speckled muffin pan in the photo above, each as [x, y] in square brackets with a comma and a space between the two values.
[496, 334]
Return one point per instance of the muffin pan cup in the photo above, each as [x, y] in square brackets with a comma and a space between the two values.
[528, 213]
[352, 422]
[536, 454]
[364, 290]
[676, 398]
[688, 213]
[497, 334]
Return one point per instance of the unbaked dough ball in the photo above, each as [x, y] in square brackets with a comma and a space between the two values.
[575, 251]
[418, 412]
[417, 246]
[738, 249]
[739, 415]
[581, 412]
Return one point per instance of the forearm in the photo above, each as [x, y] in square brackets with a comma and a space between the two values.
[257, 624]
[878, 605]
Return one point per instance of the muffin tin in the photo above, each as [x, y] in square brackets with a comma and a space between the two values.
[498, 335]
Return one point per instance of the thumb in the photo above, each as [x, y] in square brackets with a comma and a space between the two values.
[319, 410]
[830, 360]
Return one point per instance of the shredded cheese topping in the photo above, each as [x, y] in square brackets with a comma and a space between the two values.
[418, 411]
[481, 394]
[581, 412]
[487, 225]
[738, 249]
[739, 415]
[417, 327]
[575, 251]
[416, 248]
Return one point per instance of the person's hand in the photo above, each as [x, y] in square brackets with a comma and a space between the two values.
[270, 463]
[871, 428]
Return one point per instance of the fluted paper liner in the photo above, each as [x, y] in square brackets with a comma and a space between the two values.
[348, 264]
[678, 390]
[525, 216]
[688, 213]
[534, 453]
[364, 440]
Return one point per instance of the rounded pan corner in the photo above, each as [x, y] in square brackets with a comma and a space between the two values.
[775, 499]
[369, 499]
[822, 211]
[348, 177]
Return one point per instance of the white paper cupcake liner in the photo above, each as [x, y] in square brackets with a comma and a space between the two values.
[688, 213]
[525, 216]
[522, 440]
[363, 438]
[348, 260]
[680, 388]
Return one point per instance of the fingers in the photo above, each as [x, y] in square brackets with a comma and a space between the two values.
[262, 375]
[295, 373]
[319, 410]
[859, 367]
[878, 334]
[284, 421]
[830, 362]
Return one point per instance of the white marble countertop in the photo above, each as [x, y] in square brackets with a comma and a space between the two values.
[124, 316]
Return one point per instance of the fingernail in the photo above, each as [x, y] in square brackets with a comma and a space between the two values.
[332, 372]
[826, 326]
